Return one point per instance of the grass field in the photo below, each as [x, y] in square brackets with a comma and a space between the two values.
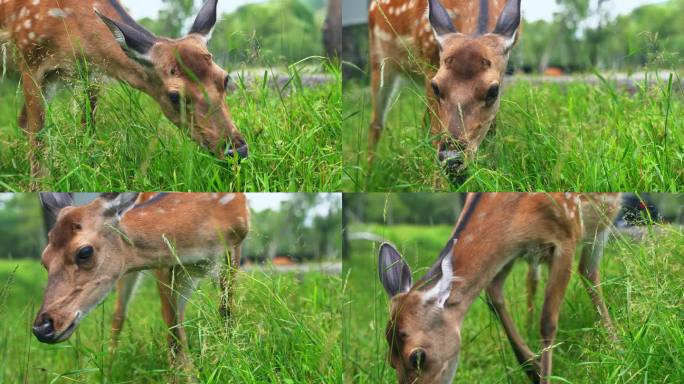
[575, 137]
[293, 134]
[643, 289]
[286, 330]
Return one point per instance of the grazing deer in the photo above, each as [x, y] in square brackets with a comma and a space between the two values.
[493, 230]
[103, 244]
[462, 62]
[55, 37]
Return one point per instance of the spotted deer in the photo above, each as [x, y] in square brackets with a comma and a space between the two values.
[462, 63]
[54, 37]
[108, 242]
[493, 230]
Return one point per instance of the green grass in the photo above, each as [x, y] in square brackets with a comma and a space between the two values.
[293, 134]
[285, 330]
[643, 289]
[575, 137]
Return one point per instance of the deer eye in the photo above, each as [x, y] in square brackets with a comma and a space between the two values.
[492, 95]
[435, 89]
[174, 98]
[84, 254]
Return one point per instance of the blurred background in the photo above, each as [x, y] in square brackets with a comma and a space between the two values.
[286, 228]
[568, 36]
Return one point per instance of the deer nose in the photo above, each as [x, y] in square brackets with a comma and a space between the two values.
[44, 328]
[242, 151]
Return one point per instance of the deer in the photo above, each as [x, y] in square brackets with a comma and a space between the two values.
[461, 61]
[493, 231]
[106, 244]
[54, 37]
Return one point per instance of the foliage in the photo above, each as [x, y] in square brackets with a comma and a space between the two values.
[278, 31]
[285, 329]
[641, 284]
[21, 226]
[295, 231]
[651, 35]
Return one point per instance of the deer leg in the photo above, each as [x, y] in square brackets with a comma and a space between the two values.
[124, 292]
[92, 96]
[532, 283]
[560, 270]
[589, 269]
[32, 117]
[228, 281]
[497, 304]
[384, 79]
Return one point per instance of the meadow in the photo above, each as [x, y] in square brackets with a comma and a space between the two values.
[285, 329]
[547, 137]
[642, 285]
[292, 130]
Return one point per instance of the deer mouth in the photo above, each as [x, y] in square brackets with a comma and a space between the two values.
[453, 164]
[66, 333]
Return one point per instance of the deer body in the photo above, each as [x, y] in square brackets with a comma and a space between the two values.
[105, 243]
[492, 232]
[451, 49]
[54, 38]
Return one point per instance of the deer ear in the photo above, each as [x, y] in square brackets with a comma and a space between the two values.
[54, 202]
[205, 20]
[134, 42]
[395, 274]
[442, 290]
[116, 204]
[508, 23]
[440, 21]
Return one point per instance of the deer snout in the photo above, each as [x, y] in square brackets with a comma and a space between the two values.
[44, 328]
[452, 159]
[237, 146]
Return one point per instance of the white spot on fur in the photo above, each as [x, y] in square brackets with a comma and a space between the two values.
[227, 198]
[32, 35]
[27, 24]
[35, 2]
[57, 13]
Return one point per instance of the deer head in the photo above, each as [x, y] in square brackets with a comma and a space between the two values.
[192, 87]
[468, 82]
[422, 332]
[84, 258]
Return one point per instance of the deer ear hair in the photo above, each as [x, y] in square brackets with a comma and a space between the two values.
[440, 21]
[395, 274]
[135, 43]
[117, 204]
[205, 20]
[508, 23]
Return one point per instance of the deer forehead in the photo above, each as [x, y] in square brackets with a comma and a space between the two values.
[187, 54]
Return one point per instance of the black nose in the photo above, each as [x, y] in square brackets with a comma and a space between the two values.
[44, 328]
[242, 151]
